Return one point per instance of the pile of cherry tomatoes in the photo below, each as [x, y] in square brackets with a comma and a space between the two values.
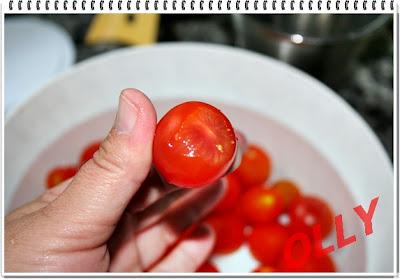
[251, 211]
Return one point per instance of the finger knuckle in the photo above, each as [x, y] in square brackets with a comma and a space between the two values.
[112, 156]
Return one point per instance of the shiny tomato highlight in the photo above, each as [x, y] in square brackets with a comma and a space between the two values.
[255, 167]
[59, 174]
[194, 145]
[266, 243]
[307, 211]
[261, 205]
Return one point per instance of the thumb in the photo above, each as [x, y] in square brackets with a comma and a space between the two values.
[103, 187]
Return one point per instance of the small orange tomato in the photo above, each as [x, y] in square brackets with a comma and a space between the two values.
[231, 195]
[261, 205]
[255, 167]
[287, 189]
[59, 174]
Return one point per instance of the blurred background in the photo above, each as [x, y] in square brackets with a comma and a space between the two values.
[352, 54]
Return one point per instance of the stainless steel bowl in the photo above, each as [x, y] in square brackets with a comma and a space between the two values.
[324, 45]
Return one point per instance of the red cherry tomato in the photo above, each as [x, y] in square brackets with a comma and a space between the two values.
[194, 145]
[59, 174]
[264, 268]
[207, 267]
[287, 189]
[88, 152]
[321, 264]
[260, 205]
[255, 167]
[307, 211]
[229, 231]
[312, 264]
[232, 194]
[266, 243]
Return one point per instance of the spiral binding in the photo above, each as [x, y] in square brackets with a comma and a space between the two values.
[201, 5]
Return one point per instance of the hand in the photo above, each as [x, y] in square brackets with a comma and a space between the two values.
[113, 215]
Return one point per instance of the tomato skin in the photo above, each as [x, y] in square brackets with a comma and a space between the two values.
[59, 174]
[307, 211]
[207, 267]
[321, 264]
[261, 205]
[229, 232]
[255, 167]
[194, 145]
[88, 152]
[264, 268]
[266, 243]
[232, 194]
[287, 189]
[313, 263]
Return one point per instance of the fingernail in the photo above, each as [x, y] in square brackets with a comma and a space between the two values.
[126, 116]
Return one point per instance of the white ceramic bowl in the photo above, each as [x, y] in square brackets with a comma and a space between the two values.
[313, 136]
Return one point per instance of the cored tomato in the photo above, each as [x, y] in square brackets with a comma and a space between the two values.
[59, 174]
[260, 205]
[207, 267]
[266, 243]
[307, 211]
[287, 189]
[194, 145]
[229, 232]
[264, 268]
[88, 152]
[232, 193]
[255, 167]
